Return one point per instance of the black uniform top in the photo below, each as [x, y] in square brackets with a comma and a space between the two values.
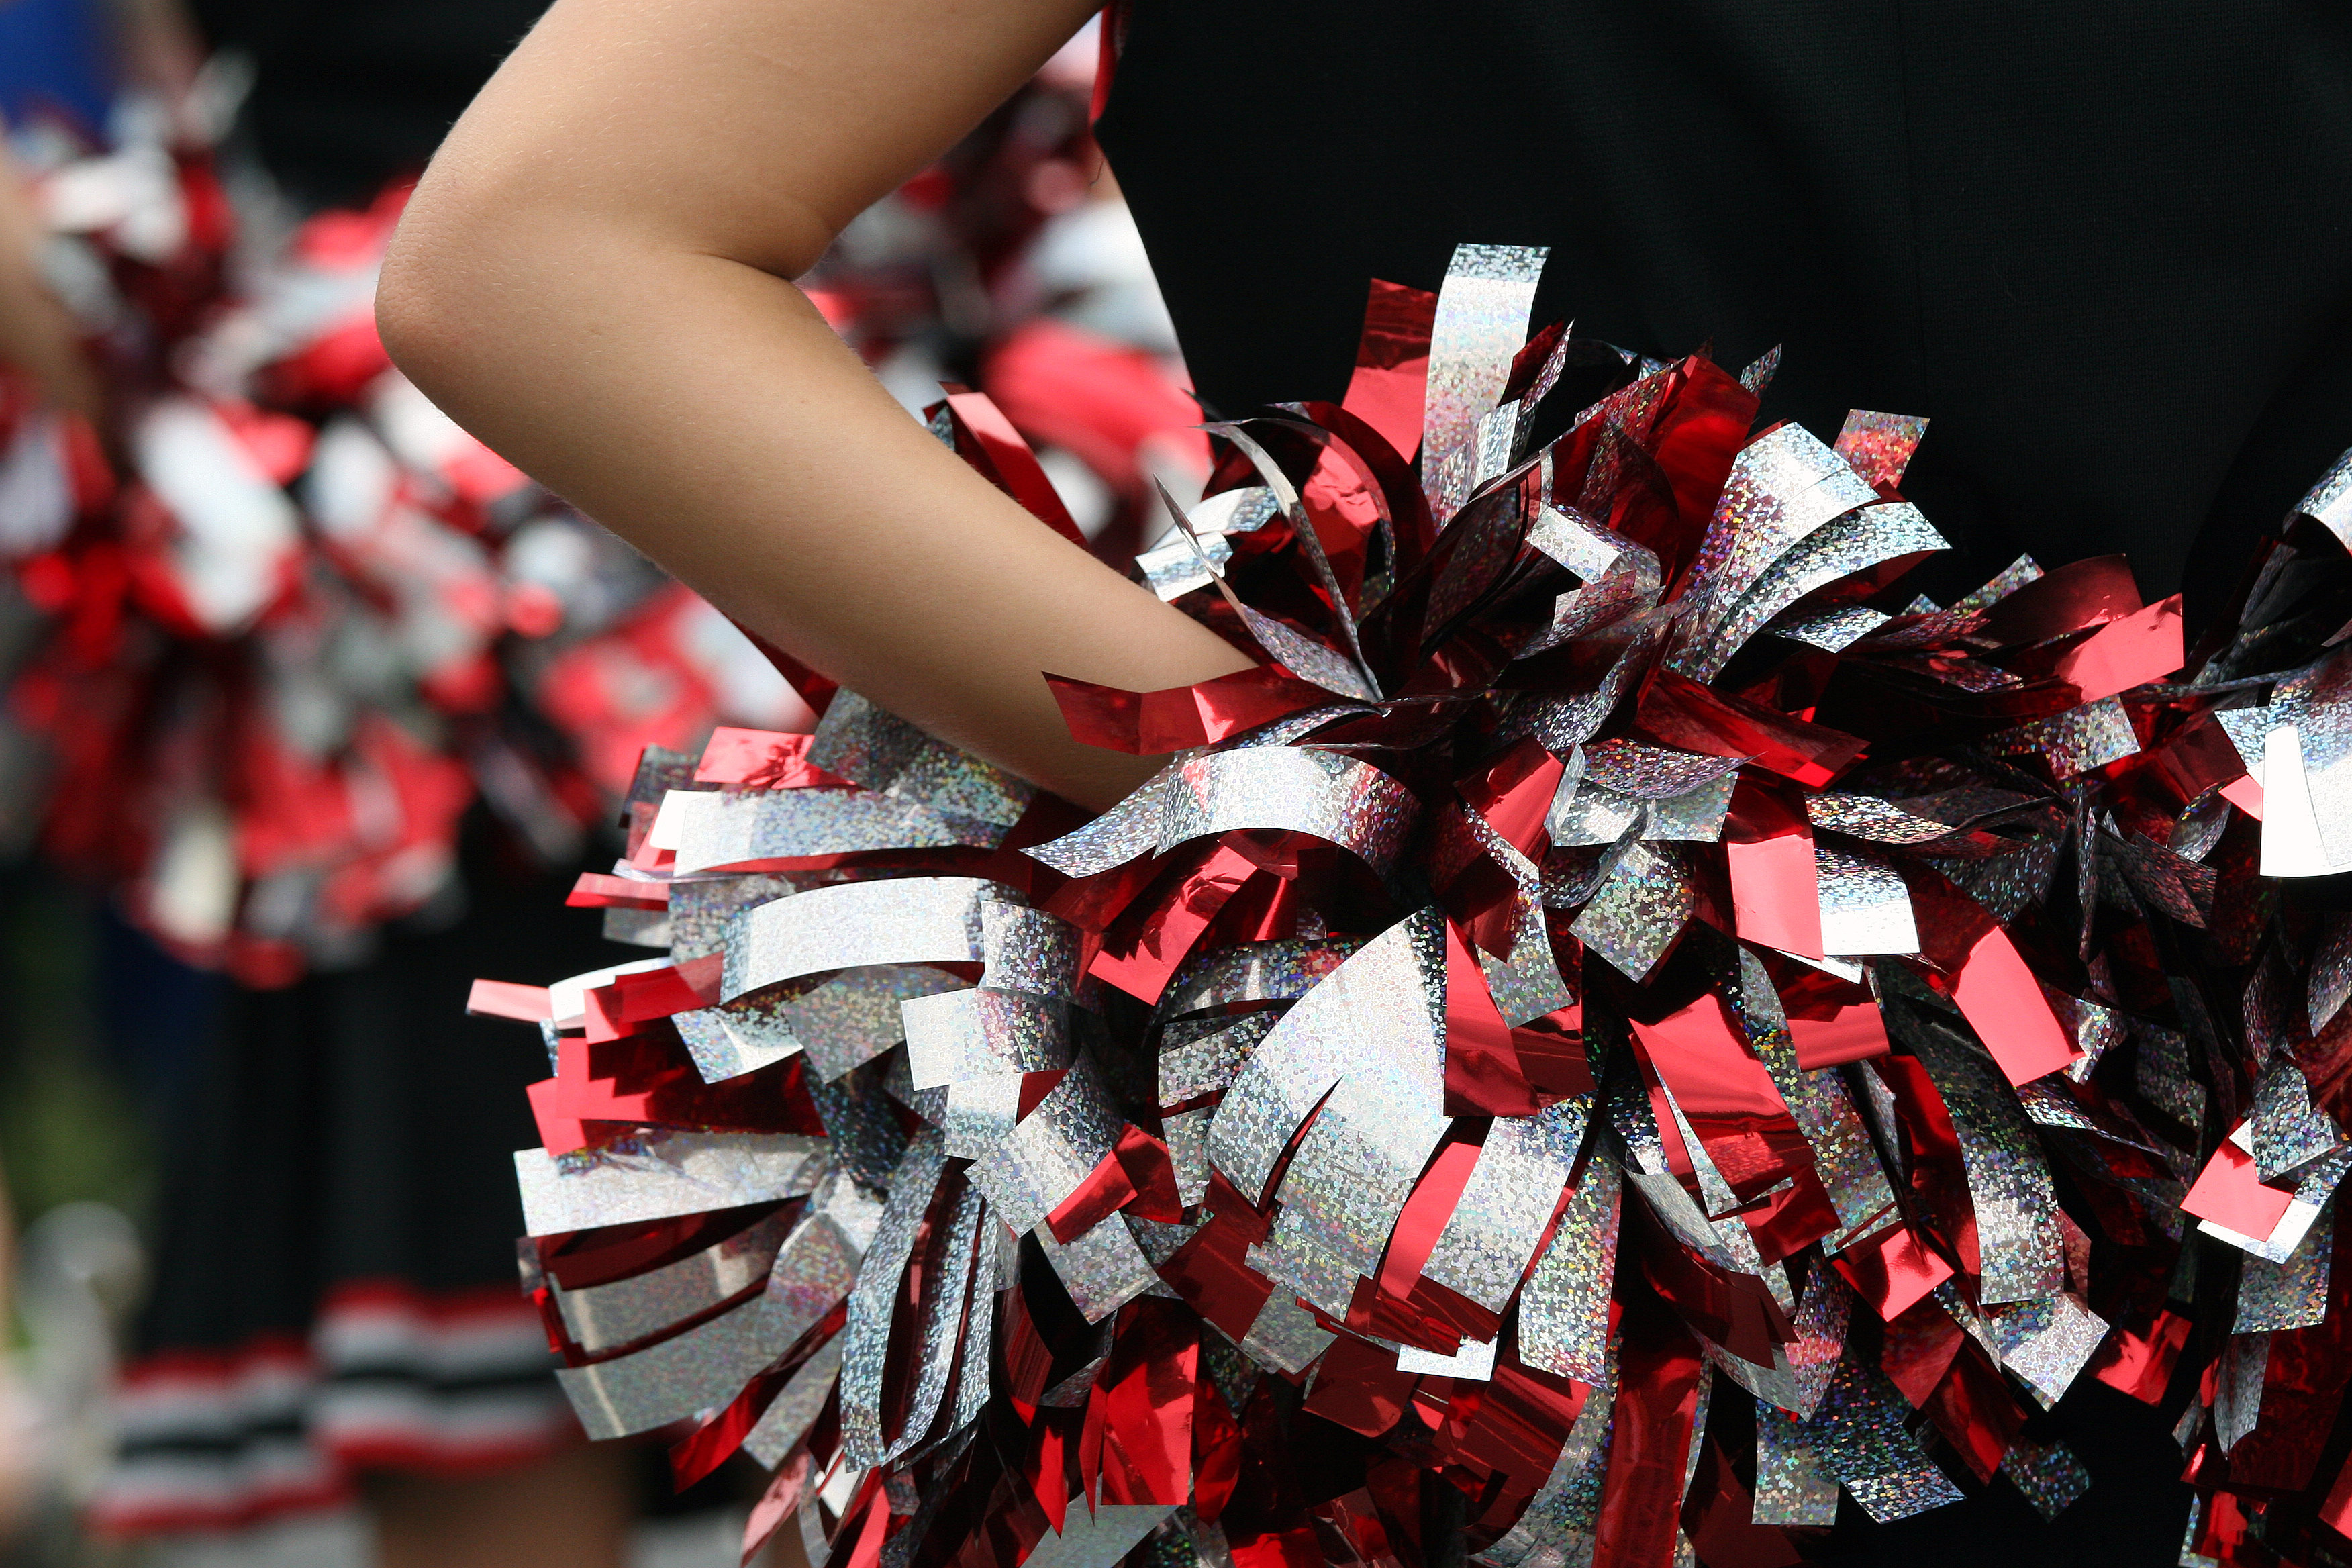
[349, 93]
[2103, 247]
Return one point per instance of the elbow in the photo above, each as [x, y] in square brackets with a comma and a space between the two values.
[427, 293]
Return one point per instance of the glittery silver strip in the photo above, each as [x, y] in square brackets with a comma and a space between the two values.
[979, 1330]
[1783, 485]
[1480, 325]
[1054, 1148]
[1844, 1158]
[1564, 1310]
[1556, 1529]
[2330, 501]
[700, 909]
[2049, 1475]
[1321, 793]
[2075, 741]
[1879, 445]
[2047, 1341]
[2238, 1390]
[1637, 911]
[1496, 1225]
[1860, 1435]
[866, 745]
[1374, 1012]
[1838, 549]
[1187, 1135]
[737, 828]
[1254, 972]
[904, 919]
[958, 1036]
[601, 1317]
[1865, 907]
[1284, 1336]
[2273, 1297]
[1696, 817]
[1792, 1486]
[2331, 973]
[702, 1368]
[2289, 1130]
[1096, 1538]
[797, 1406]
[1028, 950]
[857, 1015]
[866, 1340]
[1368, 1045]
[663, 1176]
[2009, 1181]
[946, 1291]
[1208, 1064]
[1103, 1270]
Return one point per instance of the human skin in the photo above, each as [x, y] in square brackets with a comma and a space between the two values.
[595, 277]
[37, 335]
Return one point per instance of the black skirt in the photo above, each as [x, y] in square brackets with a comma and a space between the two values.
[336, 1285]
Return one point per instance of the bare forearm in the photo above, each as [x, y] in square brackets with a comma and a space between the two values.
[704, 410]
[37, 336]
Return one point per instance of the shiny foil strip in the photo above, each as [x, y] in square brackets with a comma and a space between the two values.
[722, 829]
[1284, 1336]
[1860, 1433]
[1561, 1520]
[1495, 1225]
[1845, 1161]
[2046, 1343]
[1650, 773]
[603, 1317]
[1865, 907]
[858, 1014]
[1027, 950]
[701, 909]
[1482, 319]
[1383, 989]
[1838, 549]
[1564, 1310]
[1831, 631]
[959, 1035]
[2009, 1181]
[2330, 501]
[865, 1341]
[704, 1367]
[1254, 972]
[863, 743]
[797, 1406]
[2290, 1133]
[1637, 912]
[1049, 1152]
[1209, 1063]
[1103, 1270]
[906, 919]
[2007, 581]
[1879, 445]
[1783, 485]
[1792, 1484]
[1321, 793]
[2075, 741]
[2049, 1475]
[2275, 1296]
[663, 1175]
[947, 1294]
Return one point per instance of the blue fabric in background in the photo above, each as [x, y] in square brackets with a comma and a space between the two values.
[55, 57]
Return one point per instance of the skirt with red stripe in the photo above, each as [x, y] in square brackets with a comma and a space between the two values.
[336, 1285]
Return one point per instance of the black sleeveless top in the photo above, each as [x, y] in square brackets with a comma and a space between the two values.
[2103, 247]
